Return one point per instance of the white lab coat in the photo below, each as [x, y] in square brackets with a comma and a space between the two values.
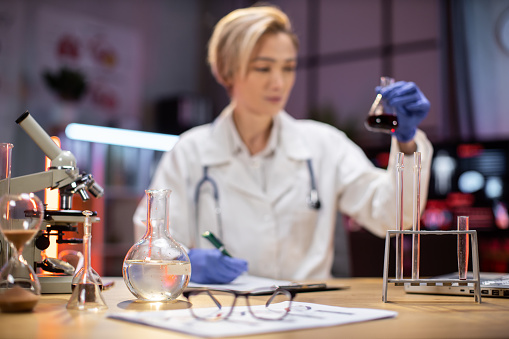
[275, 230]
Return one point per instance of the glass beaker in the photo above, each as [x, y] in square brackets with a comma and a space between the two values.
[157, 268]
[381, 116]
[20, 218]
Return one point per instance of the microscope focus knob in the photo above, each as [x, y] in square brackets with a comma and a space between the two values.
[42, 242]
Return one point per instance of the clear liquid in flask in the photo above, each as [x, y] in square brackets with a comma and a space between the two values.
[157, 280]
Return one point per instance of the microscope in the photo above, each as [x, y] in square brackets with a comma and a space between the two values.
[56, 275]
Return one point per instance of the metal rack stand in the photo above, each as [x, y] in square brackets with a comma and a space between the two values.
[433, 282]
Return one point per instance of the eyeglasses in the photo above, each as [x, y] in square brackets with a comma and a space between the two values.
[218, 305]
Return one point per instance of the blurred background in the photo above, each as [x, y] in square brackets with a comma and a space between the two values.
[141, 65]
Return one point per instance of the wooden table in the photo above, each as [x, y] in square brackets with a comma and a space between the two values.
[419, 316]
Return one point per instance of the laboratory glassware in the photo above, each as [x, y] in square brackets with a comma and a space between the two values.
[86, 289]
[76, 259]
[463, 247]
[5, 178]
[80, 269]
[157, 268]
[416, 226]
[381, 116]
[20, 218]
[399, 214]
[5, 167]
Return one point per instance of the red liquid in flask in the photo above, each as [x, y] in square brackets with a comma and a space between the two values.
[382, 123]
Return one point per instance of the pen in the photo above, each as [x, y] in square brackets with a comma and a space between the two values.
[216, 242]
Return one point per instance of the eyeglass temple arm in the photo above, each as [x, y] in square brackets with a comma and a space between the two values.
[218, 304]
[280, 291]
[187, 294]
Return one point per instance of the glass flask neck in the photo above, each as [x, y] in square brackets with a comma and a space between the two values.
[386, 81]
[385, 107]
[158, 212]
[87, 258]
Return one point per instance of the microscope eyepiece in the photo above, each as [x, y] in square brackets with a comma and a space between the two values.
[22, 117]
[38, 135]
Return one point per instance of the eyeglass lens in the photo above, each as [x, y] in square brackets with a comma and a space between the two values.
[276, 307]
[211, 305]
[217, 305]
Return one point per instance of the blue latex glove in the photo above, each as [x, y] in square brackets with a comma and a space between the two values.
[410, 104]
[210, 266]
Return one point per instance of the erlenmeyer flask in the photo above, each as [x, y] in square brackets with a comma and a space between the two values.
[381, 116]
[86, 289]
[157, 268]
[20, 218]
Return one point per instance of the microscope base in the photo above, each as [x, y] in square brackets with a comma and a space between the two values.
[57, 284]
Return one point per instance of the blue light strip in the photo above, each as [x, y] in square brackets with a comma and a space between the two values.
[121, 137]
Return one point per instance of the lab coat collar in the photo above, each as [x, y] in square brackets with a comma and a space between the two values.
[293, 141]
[219, 147]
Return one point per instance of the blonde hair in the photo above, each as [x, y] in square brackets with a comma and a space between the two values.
[236, 35]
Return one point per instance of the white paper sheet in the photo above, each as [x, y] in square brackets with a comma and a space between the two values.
[246, 283]
[301, 316]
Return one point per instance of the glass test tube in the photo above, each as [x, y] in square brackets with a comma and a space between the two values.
[5, 179]
[399, 215]
[463, 248]
[416, 226]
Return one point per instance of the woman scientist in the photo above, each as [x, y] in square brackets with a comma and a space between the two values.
[268, 185]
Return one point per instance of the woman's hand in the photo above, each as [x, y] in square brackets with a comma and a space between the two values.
[210, 266]
[411, 106]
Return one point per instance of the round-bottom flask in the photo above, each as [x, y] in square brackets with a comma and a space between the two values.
[157, 268]
[20, 219]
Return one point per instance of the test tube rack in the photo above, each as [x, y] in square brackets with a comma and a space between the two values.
[433, 282]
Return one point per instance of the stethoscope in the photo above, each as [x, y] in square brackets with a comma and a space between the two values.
[313, 200]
